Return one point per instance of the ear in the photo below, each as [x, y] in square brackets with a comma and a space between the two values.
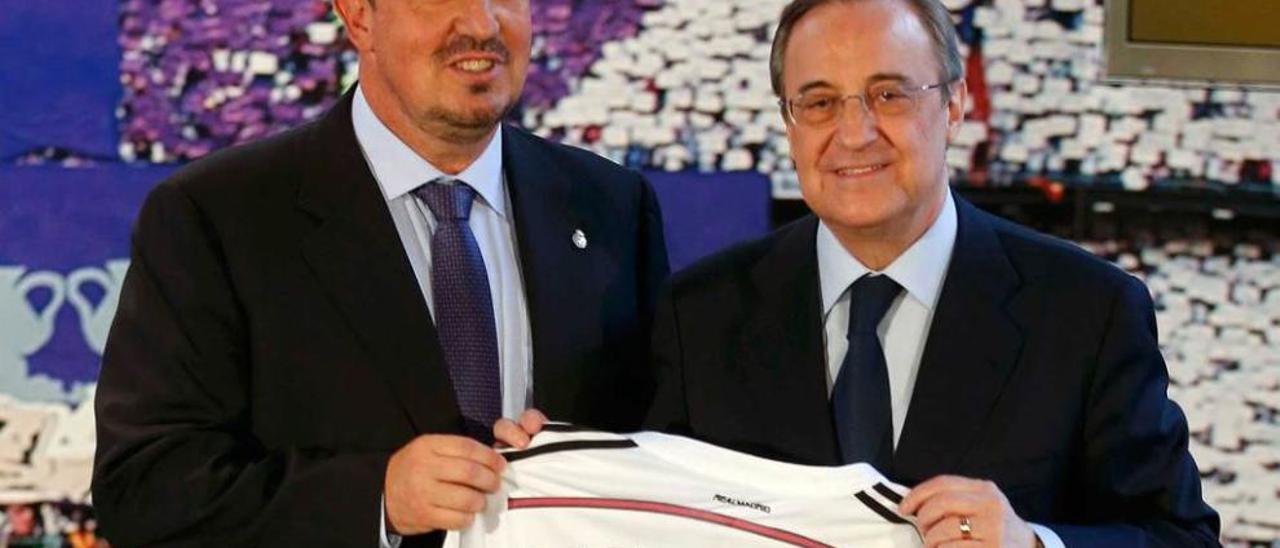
[357, 17]
[956, 107]
[791, 138]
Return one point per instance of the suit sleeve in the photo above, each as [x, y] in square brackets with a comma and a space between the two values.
[635, 384]
[669, 411]
[1139, 474]
[177, 461]
[654, 263]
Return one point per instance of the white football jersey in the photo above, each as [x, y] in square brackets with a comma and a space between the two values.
[578, 488]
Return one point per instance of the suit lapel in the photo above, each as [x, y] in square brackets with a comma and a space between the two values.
[359, 261]
[972, 347]
[785, 361]
[561, 280]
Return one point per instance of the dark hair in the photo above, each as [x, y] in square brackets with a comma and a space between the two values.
[933, 15]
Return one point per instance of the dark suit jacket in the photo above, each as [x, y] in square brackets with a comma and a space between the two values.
[1041, 372]
[272, 347]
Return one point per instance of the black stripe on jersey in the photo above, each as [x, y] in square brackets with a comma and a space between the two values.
[888, 493]
[568, 446]
[562, 427]
[878, 508]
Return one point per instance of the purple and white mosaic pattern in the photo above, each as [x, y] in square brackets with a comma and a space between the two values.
[691, 91]
[683, 84]
[568, 36]
[199, 75]
[202, 75]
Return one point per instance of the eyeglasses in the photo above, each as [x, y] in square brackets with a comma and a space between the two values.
[879, 100]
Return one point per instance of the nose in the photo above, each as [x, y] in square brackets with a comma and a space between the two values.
[856, 127]
[478, 19]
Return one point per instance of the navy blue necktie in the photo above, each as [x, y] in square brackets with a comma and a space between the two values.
[860, 398]
[463, 307]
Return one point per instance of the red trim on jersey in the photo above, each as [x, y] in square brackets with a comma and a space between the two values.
[667, 509]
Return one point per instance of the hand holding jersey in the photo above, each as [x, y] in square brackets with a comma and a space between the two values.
[957, 511]
[440, 482]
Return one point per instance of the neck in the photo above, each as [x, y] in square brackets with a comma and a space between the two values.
[878, 246]
[448, 148]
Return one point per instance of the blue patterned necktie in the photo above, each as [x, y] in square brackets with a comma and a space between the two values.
[860, 398]
[463, 307]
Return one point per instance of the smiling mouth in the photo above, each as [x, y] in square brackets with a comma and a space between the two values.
[860, 171]
[475, 66]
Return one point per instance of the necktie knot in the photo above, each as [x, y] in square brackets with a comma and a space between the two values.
[869, 299]
[448, 199]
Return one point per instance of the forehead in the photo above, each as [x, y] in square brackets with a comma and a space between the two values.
[845, 43]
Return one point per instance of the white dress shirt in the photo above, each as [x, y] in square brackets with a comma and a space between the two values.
[399, 170]
[920, 270]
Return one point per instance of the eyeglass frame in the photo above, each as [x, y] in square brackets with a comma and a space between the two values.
[788, 104]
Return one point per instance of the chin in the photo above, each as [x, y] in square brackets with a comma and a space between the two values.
[474, 113]
[863, 221]
[487, 105]
[865, 212]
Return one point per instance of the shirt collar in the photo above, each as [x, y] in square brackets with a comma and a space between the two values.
[398, 169]
[920, 269]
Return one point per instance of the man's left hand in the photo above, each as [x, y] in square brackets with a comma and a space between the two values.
[946, 506]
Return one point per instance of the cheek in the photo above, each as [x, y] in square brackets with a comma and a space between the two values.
[405, 48]
[807, 148]
[518, 45]
[915, 147]
[516, 27]
[518, 40]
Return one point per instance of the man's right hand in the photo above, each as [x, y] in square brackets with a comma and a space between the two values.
[439, 482]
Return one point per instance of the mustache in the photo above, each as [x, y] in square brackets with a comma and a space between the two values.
[467, 44]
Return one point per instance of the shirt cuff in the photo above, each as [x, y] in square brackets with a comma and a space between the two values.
[385, 539]
[1047, 537]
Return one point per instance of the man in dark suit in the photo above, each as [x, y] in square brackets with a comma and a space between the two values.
[1014, 380]
[320, 329]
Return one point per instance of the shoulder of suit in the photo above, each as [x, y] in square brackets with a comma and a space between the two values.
[1038, 254]
[574, 159]
[737, 261]
[273, 153]
[270, 166]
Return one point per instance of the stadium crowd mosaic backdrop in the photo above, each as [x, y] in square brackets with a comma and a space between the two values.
[678, 88]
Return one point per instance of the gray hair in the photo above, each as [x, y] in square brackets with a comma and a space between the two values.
[933, 15]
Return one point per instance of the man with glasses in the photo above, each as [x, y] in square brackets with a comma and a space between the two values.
[1014, 380]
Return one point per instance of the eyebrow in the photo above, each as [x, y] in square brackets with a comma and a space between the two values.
[873, 79]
